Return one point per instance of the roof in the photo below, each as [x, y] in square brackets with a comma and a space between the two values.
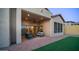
[69, 22]
[48, 10]
[76, 23]
[59, 16]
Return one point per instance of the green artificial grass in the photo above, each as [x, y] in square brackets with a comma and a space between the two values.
[66, 44]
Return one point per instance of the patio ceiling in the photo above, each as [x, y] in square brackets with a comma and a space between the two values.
[29, 16]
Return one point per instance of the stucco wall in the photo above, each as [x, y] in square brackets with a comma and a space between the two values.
[71, 30]
[39, 11]
[18, 25]
[46, 27]
[58, 20]
[4, 27]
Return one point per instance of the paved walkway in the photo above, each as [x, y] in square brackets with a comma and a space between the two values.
[34, 43]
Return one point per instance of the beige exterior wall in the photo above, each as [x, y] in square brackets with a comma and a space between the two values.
[46, 27]
[39, 11]
[58, 20]
[71, 29]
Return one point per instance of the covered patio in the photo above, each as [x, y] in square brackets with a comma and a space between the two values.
[32, 24]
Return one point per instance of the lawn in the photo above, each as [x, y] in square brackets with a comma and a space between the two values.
[66, 44]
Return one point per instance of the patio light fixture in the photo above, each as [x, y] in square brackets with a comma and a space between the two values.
[28, 14]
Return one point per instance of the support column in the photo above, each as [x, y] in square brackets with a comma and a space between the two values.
[18, 26]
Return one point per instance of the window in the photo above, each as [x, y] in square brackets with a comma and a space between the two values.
[57, 27]
[61, 28]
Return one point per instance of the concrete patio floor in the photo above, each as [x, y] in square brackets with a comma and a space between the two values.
[34, 43]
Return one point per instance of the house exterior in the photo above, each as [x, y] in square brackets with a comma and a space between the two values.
[12, 20]
[56, 26]
[10, 24]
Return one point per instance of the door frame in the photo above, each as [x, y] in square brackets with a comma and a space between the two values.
[12, 14]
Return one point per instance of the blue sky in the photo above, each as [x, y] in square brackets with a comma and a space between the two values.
[69, 14]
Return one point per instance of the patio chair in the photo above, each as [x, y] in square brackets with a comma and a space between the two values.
[40, 34]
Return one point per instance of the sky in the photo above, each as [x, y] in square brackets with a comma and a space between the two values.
[69, 14]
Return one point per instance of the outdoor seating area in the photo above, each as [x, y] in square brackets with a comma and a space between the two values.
[40, 34]
[30, 35]
[32, 25]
